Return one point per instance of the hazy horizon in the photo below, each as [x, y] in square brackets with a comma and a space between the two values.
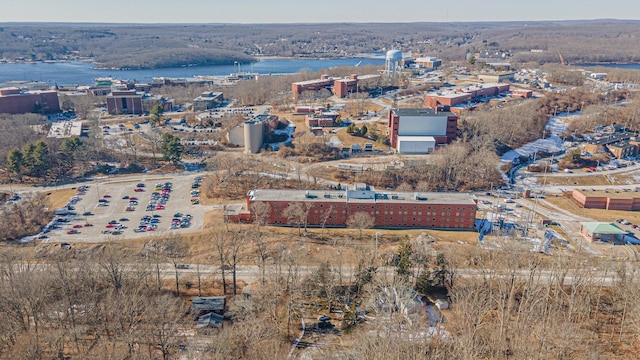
[301, 12]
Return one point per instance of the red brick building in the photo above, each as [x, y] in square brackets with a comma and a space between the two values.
[343, 87]
[322, 119]
[340, 87]
[15, 101]
[455, 211]
[608, 200]
[124, 102]
[463, 95]
[311, 85]
[522, 93]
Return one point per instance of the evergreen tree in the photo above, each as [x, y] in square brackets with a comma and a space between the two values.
[363, 130]
[40, 158]
[171, 148]
[403, 267]
[15, 162]
[27, 157]
[67, 150]
[156, 113]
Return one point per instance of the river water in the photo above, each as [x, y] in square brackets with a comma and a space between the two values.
[83, 73]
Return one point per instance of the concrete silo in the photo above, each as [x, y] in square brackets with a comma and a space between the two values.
[253, 137]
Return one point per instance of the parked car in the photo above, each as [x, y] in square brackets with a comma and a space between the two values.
[73, 231]
[138, 190]
[140, 185]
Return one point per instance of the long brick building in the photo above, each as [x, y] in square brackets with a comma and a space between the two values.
[389, 209]
[450, 99]
[608, 200]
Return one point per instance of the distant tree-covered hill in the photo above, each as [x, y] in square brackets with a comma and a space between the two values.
[152, 46]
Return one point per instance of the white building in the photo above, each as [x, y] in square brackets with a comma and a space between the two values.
[419, 131]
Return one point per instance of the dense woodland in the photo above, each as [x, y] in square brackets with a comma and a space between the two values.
[119, 46]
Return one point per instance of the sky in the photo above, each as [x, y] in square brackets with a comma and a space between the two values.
[312, 11]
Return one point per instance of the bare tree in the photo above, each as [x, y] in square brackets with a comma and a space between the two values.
[298, 213]
[326, 214]
[221, 240]
[361, 220]
[174, 249]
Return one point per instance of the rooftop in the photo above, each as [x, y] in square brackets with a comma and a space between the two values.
[261, 118]
[612, 138]
[360, 195]
[315, 81]
[613, 194]
[421, 112]
[207, 304]
[602, 228]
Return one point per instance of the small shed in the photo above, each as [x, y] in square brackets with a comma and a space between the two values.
[603, 231]
[442, 304]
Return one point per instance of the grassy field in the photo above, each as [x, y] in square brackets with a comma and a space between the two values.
[58, 198]
[587, 180]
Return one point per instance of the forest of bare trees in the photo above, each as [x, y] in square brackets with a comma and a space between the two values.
[504, 303]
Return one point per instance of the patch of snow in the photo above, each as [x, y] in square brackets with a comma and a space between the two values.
[289, 130]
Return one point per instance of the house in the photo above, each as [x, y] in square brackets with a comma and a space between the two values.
[602, 231]
[210, 320]
[204, 305]
[619, 144]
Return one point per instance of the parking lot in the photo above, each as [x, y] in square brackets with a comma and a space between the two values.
[117, 209]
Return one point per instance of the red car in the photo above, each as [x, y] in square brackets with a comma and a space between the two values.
[106, 196]
[159, 207]
[77, 226]
[139, 190]
[109, 226]
[130, 209]
[133, 198]
[73, 231]
[88, 225]
[149, 228]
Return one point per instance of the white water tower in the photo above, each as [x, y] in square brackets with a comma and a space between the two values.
[393, 63]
